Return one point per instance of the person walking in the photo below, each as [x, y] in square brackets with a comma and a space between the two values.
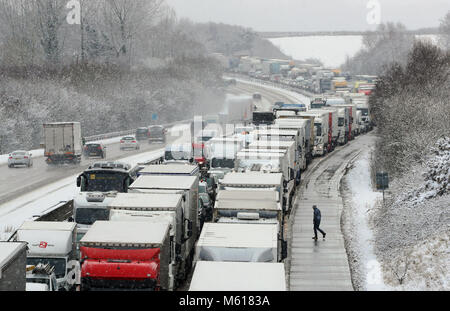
[316, 221]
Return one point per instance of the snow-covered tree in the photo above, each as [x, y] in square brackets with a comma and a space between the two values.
[444, 31]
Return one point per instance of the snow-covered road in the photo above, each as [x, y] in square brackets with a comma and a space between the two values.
[36, 202]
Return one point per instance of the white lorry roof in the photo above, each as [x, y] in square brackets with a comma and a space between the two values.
[232, 139]
[143, 201]
[8, 250]
[255, 205]
[264, 144]
[238, 276]
[239, 235]
[259, 195]
[48, 226]
[149, 216]
[253, 179]
[125, 233]
[260, 154]
[314, 113]
[164, 182]
[47, 238]
[278, 132]
[170, 169]
[278, 151]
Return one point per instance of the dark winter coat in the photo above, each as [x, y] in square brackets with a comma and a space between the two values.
[317, 216]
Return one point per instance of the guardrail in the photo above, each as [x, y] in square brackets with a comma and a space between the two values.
[58, 212]
[273, 84]
[127, 132]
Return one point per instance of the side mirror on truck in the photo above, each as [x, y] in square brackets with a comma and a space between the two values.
[292, 173]
[188, 229]
[78, 181]
[284, 249]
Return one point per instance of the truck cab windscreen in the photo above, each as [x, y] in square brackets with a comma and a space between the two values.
[364, 111]
[58, 263]
[318, 128]
[222, 163]
[175, 155]
[104, 182]
[87, 216]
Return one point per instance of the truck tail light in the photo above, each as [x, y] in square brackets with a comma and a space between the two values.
[121, 141]
[25, 157]
[133, 141]
[10, 157]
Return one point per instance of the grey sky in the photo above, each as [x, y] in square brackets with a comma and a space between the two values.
[311, 15]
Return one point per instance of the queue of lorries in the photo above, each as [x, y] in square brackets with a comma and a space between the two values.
[219, 216]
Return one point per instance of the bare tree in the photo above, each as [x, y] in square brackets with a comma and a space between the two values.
[18, 34]
[444, 31]
[124, 20]
[50, 16]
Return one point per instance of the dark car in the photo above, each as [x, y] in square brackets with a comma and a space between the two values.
[157, 133]
[142, 133]
[95, 150]
[257, 96]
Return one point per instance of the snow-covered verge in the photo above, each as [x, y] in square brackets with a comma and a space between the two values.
[402, 245]
[412, 229]
[359, 202]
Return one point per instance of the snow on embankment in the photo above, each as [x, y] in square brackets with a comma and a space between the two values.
[359, 202]
[412, 230]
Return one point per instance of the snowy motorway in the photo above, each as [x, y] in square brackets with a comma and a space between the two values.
[26, 192]
[324, 264]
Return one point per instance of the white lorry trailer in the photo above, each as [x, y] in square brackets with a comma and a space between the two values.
[182, 152]
[155, 208]
[333, 125]
[238, 276]
[187, 186]
[352, 119]
[304, 149]
[238, 242]
[294, 156]
[63, 143]
[221, 154]
[52, 243]
[13, 256]
[321, 132]
[256, 181]
[279, 134]
[270, 162]
[171, 170]
[237, 109]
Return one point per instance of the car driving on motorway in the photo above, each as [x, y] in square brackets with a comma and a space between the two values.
[142, 133]
[95, 150]
[157, 133]
[20, 157]
[129, 142]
